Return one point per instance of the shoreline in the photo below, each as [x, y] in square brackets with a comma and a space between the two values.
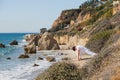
[71, 58]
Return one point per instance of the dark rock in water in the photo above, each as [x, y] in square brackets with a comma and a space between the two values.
[14, 42]
[2, 45]
[35, 65]
[23, 56]
[31, 49]
[39, 58]
[50, 59]
[8, 58]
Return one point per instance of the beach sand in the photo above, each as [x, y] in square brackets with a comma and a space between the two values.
[72, 58]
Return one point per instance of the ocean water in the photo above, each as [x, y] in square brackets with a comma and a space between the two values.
[21, 69]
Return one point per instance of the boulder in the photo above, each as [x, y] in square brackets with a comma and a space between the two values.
[35, 65]
[39, 58]
[50, 59]
[47, 42]
[30, 49]
[23, 56]
[34, 40]
[14, 42]
[2, 45]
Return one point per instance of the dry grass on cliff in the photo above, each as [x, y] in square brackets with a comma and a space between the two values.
[99, 40]
[116, 76]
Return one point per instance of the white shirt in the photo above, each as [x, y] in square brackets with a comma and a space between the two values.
[84, 50]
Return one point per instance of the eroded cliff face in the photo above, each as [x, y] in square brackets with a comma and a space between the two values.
[69, 18]
[70, 41]
[65, 18]
[84, 15]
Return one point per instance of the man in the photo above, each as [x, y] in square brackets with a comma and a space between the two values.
[82, 50]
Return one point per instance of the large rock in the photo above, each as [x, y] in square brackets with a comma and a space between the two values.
[30, 49]
[14, 42]
[50, 59]
[47, 42]
[34, 40]
[35, 65]
[23, 56]
[2, 45]
[40, 58]
[9, 58]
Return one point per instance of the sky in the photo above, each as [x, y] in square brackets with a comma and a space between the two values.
[32, 15]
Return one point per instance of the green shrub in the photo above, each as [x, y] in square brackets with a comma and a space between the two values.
[60, 71]
[102, 35]
[72, 33]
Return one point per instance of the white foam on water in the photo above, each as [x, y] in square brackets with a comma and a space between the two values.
[24, 72]
[22, 43]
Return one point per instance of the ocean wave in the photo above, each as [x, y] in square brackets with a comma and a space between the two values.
[24, 72]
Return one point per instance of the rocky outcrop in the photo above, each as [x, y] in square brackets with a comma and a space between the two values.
[2, 45]
[29, 37]
[65, 18]
[34, 40]
[9, 58]
[30, 49]
[46, 42]
[22, 56]
[50, 59]
[14, 42]
[84, 15]
[70, 41]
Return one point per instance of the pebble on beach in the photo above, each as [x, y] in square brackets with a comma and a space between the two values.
[39, 58]
[50, 59]
[23, 56]
[35, 65]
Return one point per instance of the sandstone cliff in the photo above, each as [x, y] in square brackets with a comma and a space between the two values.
[65, 18]
[84, 15]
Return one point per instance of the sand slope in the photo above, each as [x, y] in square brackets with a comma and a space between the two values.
[72, 57]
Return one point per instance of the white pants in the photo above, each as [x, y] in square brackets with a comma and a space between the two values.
[86, 51]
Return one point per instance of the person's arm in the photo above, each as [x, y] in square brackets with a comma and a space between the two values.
[78, 55]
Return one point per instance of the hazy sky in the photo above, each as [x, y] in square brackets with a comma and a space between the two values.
[31, 15]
